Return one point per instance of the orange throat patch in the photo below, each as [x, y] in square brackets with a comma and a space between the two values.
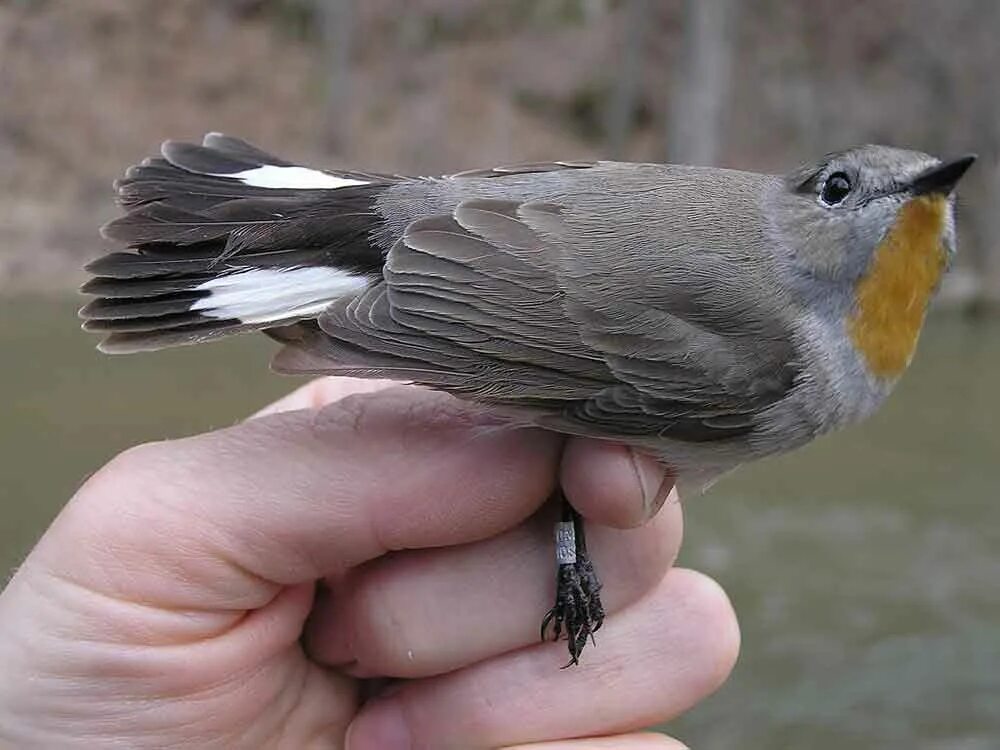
[891, 298]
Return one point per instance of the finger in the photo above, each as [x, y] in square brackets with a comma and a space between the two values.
[393, 617]
[641, 741]
[613, 484]
[322, 391]
[655, 660]
[608, 483]
[222, 519]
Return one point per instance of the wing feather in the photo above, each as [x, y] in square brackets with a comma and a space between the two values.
[503, 301]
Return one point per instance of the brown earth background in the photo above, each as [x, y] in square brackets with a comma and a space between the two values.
[88, 87]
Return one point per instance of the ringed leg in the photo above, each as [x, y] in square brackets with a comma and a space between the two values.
[578, 612]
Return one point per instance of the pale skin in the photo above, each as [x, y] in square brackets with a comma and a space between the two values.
[174, 601]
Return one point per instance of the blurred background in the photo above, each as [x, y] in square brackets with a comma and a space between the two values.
[865, 568]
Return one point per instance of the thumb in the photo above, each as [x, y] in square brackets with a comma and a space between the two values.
[612, 484]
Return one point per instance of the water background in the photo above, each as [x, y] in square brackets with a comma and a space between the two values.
[865, 568]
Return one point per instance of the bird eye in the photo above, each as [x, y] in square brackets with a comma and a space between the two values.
[835, 189]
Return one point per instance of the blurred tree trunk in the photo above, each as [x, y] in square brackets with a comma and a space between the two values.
[336, 21]
[621, 110]
[423, 137]
[702, 82]
[989, 235]
[979, 200]
[991, 204]
[989, 211]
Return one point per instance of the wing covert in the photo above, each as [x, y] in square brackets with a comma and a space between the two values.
[496, 302]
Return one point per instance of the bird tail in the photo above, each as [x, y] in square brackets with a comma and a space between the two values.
[223, 237]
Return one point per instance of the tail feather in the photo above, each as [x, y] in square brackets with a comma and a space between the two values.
[224, 237]
[123, 266]
[116, 308]
[138, 288]
[156, 179]
[129, 341]
[239, 149]
[172, 321]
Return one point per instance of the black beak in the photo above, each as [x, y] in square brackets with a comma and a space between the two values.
[941, 179]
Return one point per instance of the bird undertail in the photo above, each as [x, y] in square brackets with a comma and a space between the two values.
[221, 238]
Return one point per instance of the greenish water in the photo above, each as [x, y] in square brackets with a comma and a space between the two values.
[865, 568]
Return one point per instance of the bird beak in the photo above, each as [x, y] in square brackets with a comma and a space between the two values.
[942, 178]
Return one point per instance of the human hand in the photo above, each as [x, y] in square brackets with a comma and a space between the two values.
[173, 602]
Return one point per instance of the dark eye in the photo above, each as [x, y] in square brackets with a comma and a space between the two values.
[835, 189]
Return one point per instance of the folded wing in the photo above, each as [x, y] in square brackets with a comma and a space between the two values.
[498, 301]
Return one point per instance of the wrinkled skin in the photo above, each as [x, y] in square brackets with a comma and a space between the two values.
[174, 601]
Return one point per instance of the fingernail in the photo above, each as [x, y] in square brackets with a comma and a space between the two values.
[654, 480]
[380, 726]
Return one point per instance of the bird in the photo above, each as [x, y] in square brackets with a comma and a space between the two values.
[707, 317]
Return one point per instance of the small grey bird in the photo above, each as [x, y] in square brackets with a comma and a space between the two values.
[707, 316]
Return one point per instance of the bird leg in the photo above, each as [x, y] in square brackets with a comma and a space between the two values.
[578, 612]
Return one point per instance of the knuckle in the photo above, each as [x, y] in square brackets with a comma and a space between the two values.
[112, 512]
[402, 414]
[133, 468]
[150, 481]
[351, 415]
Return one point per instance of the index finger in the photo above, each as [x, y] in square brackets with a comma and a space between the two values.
[219, 520]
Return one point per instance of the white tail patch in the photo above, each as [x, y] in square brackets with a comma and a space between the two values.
[296, 178]
[265, 295]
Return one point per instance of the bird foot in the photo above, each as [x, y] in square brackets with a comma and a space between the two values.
[578, 612]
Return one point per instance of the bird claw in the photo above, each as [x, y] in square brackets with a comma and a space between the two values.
[578, 612]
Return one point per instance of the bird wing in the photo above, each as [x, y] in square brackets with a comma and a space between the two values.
[518, 304]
